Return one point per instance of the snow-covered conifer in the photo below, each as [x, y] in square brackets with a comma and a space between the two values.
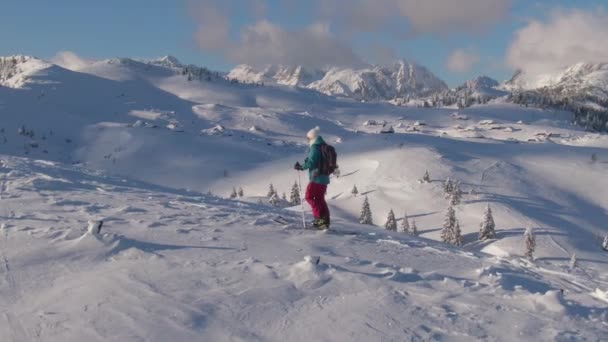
[405, 224]
[488, 227]
[241, 193]
[284, 197]
[426, 178]
[366, 213]
[456, 194]
[391, 222]
[294, 197]
[271, 191]
[530, 243]
[457, 234]
[414, 228]
[274, 200]
[448, 186]
[605, 244]
[449, 226]
[233, 194]
[355, 191]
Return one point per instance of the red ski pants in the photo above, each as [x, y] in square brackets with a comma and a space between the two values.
[315, 196]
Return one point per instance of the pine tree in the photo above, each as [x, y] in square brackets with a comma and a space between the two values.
[488, 227]
[448, 186]
[391, 222]
[355, 191]
[241, 193]
[233, 194]
[457, 234]
[449, 226]
[405, 224]
[284, 197]
[426, 178]
[366, 213]
[530, 242]
[274, 200]
[294, 197]
[271, 191]
[414, 228]
[573, 262]
[456, 194]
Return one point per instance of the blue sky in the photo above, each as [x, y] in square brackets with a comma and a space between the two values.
[152, 28]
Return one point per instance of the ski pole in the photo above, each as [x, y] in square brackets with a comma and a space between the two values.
[301, 201]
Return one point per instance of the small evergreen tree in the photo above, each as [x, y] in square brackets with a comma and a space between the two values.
[405, 224]
[448, 186]
[391, 222]
[233, 194]
[573, 262]
[294, 197]
[488, 227]
[355, 191]
[456, 194]
[530, 243]
[457, 234]
[414, 228]
[449, 226]
[241, 193]
[274, 200]
[426, 178]
[271, 191]
[284, 197]
[366, 213]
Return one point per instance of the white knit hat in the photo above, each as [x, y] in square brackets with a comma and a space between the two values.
[313, 133]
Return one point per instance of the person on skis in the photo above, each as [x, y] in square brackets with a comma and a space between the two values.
[317, 186]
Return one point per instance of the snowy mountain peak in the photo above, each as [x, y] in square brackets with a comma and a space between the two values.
[276, 74]
[577, 80]
[480, 82]
[15, 70]
[167, 61]
[400, 79]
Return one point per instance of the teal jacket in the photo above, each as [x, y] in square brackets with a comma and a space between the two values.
[313, 162]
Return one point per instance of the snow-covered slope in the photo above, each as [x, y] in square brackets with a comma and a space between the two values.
[15, 70]
[180, 266]
[136, 121]
[402, 79]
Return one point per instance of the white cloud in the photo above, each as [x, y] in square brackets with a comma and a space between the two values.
[407, 17]
[568, 37]
[461, 60]
[265, 42]
[70, 60]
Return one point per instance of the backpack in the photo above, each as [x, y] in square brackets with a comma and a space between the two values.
[329, 160]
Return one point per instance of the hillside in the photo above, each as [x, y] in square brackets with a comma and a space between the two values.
[137, 143]
[176, 265]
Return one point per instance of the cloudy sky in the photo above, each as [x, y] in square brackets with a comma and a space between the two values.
[456, 39]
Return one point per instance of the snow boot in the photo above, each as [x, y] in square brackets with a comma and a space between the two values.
[323, 223]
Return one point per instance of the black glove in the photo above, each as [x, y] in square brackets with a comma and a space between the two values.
[298, 166]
